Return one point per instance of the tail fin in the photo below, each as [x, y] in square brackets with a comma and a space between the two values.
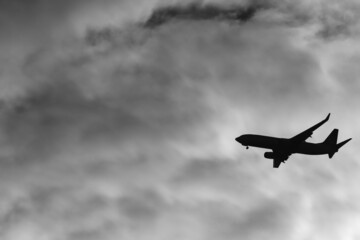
[331, 142]
[332, 138]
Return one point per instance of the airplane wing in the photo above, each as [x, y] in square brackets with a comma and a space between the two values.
[282, 152]
[301, 137]
[279, 158]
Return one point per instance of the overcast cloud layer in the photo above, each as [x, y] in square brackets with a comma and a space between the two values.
[118, 119]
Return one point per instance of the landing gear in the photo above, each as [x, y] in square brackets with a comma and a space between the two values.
[247, 147]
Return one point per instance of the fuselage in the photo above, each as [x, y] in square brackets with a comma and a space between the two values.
[282, 143]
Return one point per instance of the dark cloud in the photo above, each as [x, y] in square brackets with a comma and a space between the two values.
[197, 11]
[339, 22]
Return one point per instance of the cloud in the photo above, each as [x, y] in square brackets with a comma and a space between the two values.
[114, 130]
[198, 11]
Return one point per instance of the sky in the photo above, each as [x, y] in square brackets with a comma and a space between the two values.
[118, 119]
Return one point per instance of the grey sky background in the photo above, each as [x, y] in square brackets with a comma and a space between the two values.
[111, 129]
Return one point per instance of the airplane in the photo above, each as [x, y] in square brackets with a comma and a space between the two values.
[282, 148]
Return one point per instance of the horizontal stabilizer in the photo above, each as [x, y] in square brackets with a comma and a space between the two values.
[338, 146]
[342, 143]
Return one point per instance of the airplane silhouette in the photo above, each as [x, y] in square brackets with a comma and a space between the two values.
[282, 148]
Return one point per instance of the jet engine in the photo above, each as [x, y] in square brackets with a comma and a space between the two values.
[269, 155]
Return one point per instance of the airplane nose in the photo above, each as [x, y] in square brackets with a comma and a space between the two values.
[238, 139]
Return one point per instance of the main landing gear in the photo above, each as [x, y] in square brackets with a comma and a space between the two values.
[247, 147]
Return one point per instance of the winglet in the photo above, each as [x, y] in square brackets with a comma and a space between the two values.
[327, 117]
